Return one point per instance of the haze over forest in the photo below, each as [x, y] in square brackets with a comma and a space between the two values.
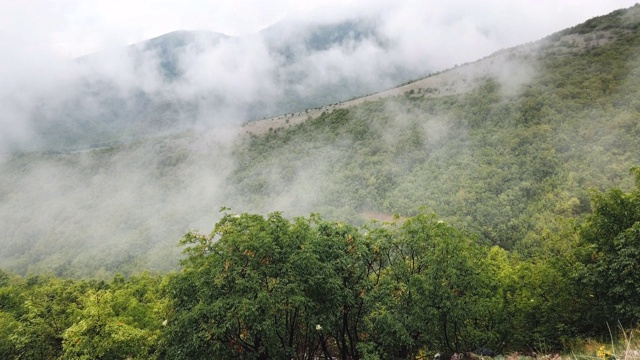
[109, 158]
[361, 180]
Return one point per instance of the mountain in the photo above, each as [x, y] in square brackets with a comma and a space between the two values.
[506, 148]
[503, 147]
[170, 48]
[197, 78]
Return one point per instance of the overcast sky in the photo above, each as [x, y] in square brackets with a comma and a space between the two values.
[69, 28]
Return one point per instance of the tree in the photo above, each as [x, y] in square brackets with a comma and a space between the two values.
[451, 284]
[611, 239]
[430, 288]
[118, 322]
[259, 288]
[247, 291]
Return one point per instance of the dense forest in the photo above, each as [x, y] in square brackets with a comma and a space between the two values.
[265, 287]
[504, 216]
[503, 162]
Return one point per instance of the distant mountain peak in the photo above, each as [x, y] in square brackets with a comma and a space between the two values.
[181, 38]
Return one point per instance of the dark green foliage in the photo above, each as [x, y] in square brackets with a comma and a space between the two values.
[502, 158]
[521, 259]
[268, 287]
[435, 292]
[619, 19]
[500, 161]
[611, 237]
[265, 287]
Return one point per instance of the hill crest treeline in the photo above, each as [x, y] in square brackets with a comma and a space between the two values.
[529, 250]
[505, 153]
[503, 160]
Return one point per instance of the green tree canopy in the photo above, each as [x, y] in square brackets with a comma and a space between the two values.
[611, 256]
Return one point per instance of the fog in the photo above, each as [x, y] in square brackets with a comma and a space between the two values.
[93, 211]
[108, 158]
[310, 55]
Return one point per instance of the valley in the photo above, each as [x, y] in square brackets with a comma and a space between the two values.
[163, 208]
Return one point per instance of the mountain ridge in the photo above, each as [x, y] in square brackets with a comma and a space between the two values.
[186, 79]
[573, 39]
[509, 159]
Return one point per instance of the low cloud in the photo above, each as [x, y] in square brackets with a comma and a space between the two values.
[233, 79]
[139, 142]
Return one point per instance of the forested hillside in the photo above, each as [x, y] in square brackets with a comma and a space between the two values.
[509, 201]
[504, 159]
[505, 152]
[261, 287]
[185, 79]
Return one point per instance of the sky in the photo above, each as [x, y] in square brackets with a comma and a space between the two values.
[38, 38]
[39, 83]
[71, 28]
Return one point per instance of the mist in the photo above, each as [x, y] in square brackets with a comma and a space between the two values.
[108, 158]
[315, 56]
